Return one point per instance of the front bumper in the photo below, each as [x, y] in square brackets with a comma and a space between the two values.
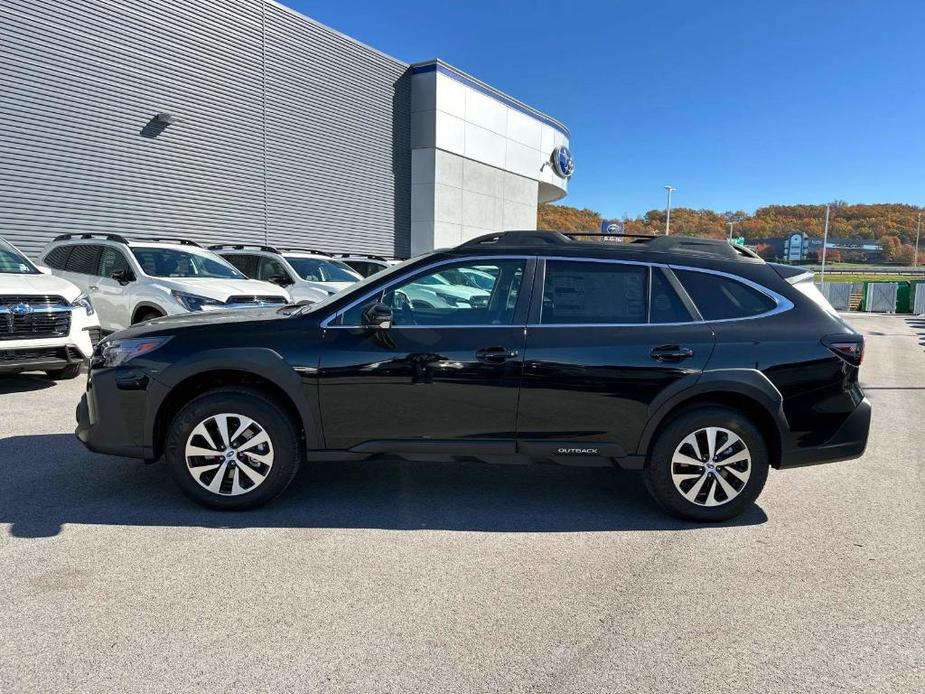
[112, 413]
[16, 360]
[847, 443]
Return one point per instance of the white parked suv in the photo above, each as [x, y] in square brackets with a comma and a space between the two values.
[309, 275]
[46, 324]
[129, 282]
[367, 265]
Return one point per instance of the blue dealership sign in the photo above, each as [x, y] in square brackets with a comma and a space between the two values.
[563, 162]
[611, 227]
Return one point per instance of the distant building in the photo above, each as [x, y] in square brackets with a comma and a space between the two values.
[799, 247]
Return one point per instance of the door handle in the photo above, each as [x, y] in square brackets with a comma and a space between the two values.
[495, 355]
[671, 353]
[92, 287]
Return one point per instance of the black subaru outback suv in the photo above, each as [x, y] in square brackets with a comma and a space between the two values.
[691, 360]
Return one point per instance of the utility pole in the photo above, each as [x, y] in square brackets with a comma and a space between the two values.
[825, 241]
[730, 229]
[668, 214]
[918, 232]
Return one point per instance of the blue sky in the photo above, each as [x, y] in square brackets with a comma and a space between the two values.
[736, 104]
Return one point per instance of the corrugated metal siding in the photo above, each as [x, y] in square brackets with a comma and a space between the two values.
[81, 80]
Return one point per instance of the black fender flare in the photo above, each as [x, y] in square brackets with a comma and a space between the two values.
[145, 304]
[750, 383]
[260, 361]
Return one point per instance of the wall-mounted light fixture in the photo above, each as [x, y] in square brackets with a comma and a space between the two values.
[158, 124]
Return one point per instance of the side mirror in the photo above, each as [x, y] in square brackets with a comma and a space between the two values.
[281, 280]
[123, 276]
[377, 317]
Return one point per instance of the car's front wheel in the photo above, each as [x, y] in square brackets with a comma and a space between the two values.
[233, 448]
[708, 464]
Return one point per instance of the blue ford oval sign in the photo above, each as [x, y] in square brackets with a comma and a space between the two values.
[562, 161]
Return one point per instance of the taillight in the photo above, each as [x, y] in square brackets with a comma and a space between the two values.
[852, 351]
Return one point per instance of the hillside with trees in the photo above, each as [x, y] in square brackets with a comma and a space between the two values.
[892, 224]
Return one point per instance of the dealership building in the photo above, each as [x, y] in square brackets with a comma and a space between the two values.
[245, 121]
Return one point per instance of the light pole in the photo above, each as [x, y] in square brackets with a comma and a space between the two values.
[918, 232]
[668, 213]
[825, 240]
[730, 229]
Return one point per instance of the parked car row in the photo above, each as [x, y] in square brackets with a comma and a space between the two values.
[53, 312]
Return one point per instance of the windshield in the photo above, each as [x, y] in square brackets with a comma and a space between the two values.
[12, 262]
[322, 270]
[171, 262]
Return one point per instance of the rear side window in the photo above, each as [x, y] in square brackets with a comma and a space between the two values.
[720, 298]
[667, 306]
[245, 263]
[83, 259]
[57, 257]
[595, 293]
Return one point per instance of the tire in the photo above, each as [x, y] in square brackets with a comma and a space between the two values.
[146, 314]
[65, 374]
[239, 488]
[671, 480]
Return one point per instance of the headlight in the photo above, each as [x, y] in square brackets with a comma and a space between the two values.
[83, 301]
[193, 302]
[111, 353]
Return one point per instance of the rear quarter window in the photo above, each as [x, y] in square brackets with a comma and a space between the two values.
[723, 298]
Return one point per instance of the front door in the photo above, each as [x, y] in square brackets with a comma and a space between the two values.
[605, 340]
[448, 369]
[110, 297]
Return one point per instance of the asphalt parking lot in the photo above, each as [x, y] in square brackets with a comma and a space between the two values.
[415, 576]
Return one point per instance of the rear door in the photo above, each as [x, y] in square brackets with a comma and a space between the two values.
[81, 266]
[605, 340]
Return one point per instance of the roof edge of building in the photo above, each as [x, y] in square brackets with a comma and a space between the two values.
[464, 77]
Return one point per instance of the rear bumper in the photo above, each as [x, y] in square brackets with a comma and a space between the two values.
[847, 443]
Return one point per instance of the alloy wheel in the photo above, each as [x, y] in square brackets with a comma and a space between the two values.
[229, 454]
[711, 466]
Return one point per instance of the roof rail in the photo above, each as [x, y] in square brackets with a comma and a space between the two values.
[363, 255]
[307, 250]
[172, 239]
[718, 248]
[519, 238]
[109, 237]
[242, 247]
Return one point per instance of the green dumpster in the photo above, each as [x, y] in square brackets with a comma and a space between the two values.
[904, 297]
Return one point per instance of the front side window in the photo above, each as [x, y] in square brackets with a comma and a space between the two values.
[171, 262]
[722, 298]
[584, 292]
[112, 260]
[433, 299]
[12, 262]
[270, 269]
[322, 269]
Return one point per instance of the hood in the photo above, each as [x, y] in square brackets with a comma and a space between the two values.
[39, 285]
[220, 289]
[202, 318]
[303, 292]
[328, 287]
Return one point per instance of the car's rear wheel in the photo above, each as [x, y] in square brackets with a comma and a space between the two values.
[708, 464]
[64, 374]
[233, 448]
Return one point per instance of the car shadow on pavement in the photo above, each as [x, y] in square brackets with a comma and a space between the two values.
[21, 383]
[51, 480]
